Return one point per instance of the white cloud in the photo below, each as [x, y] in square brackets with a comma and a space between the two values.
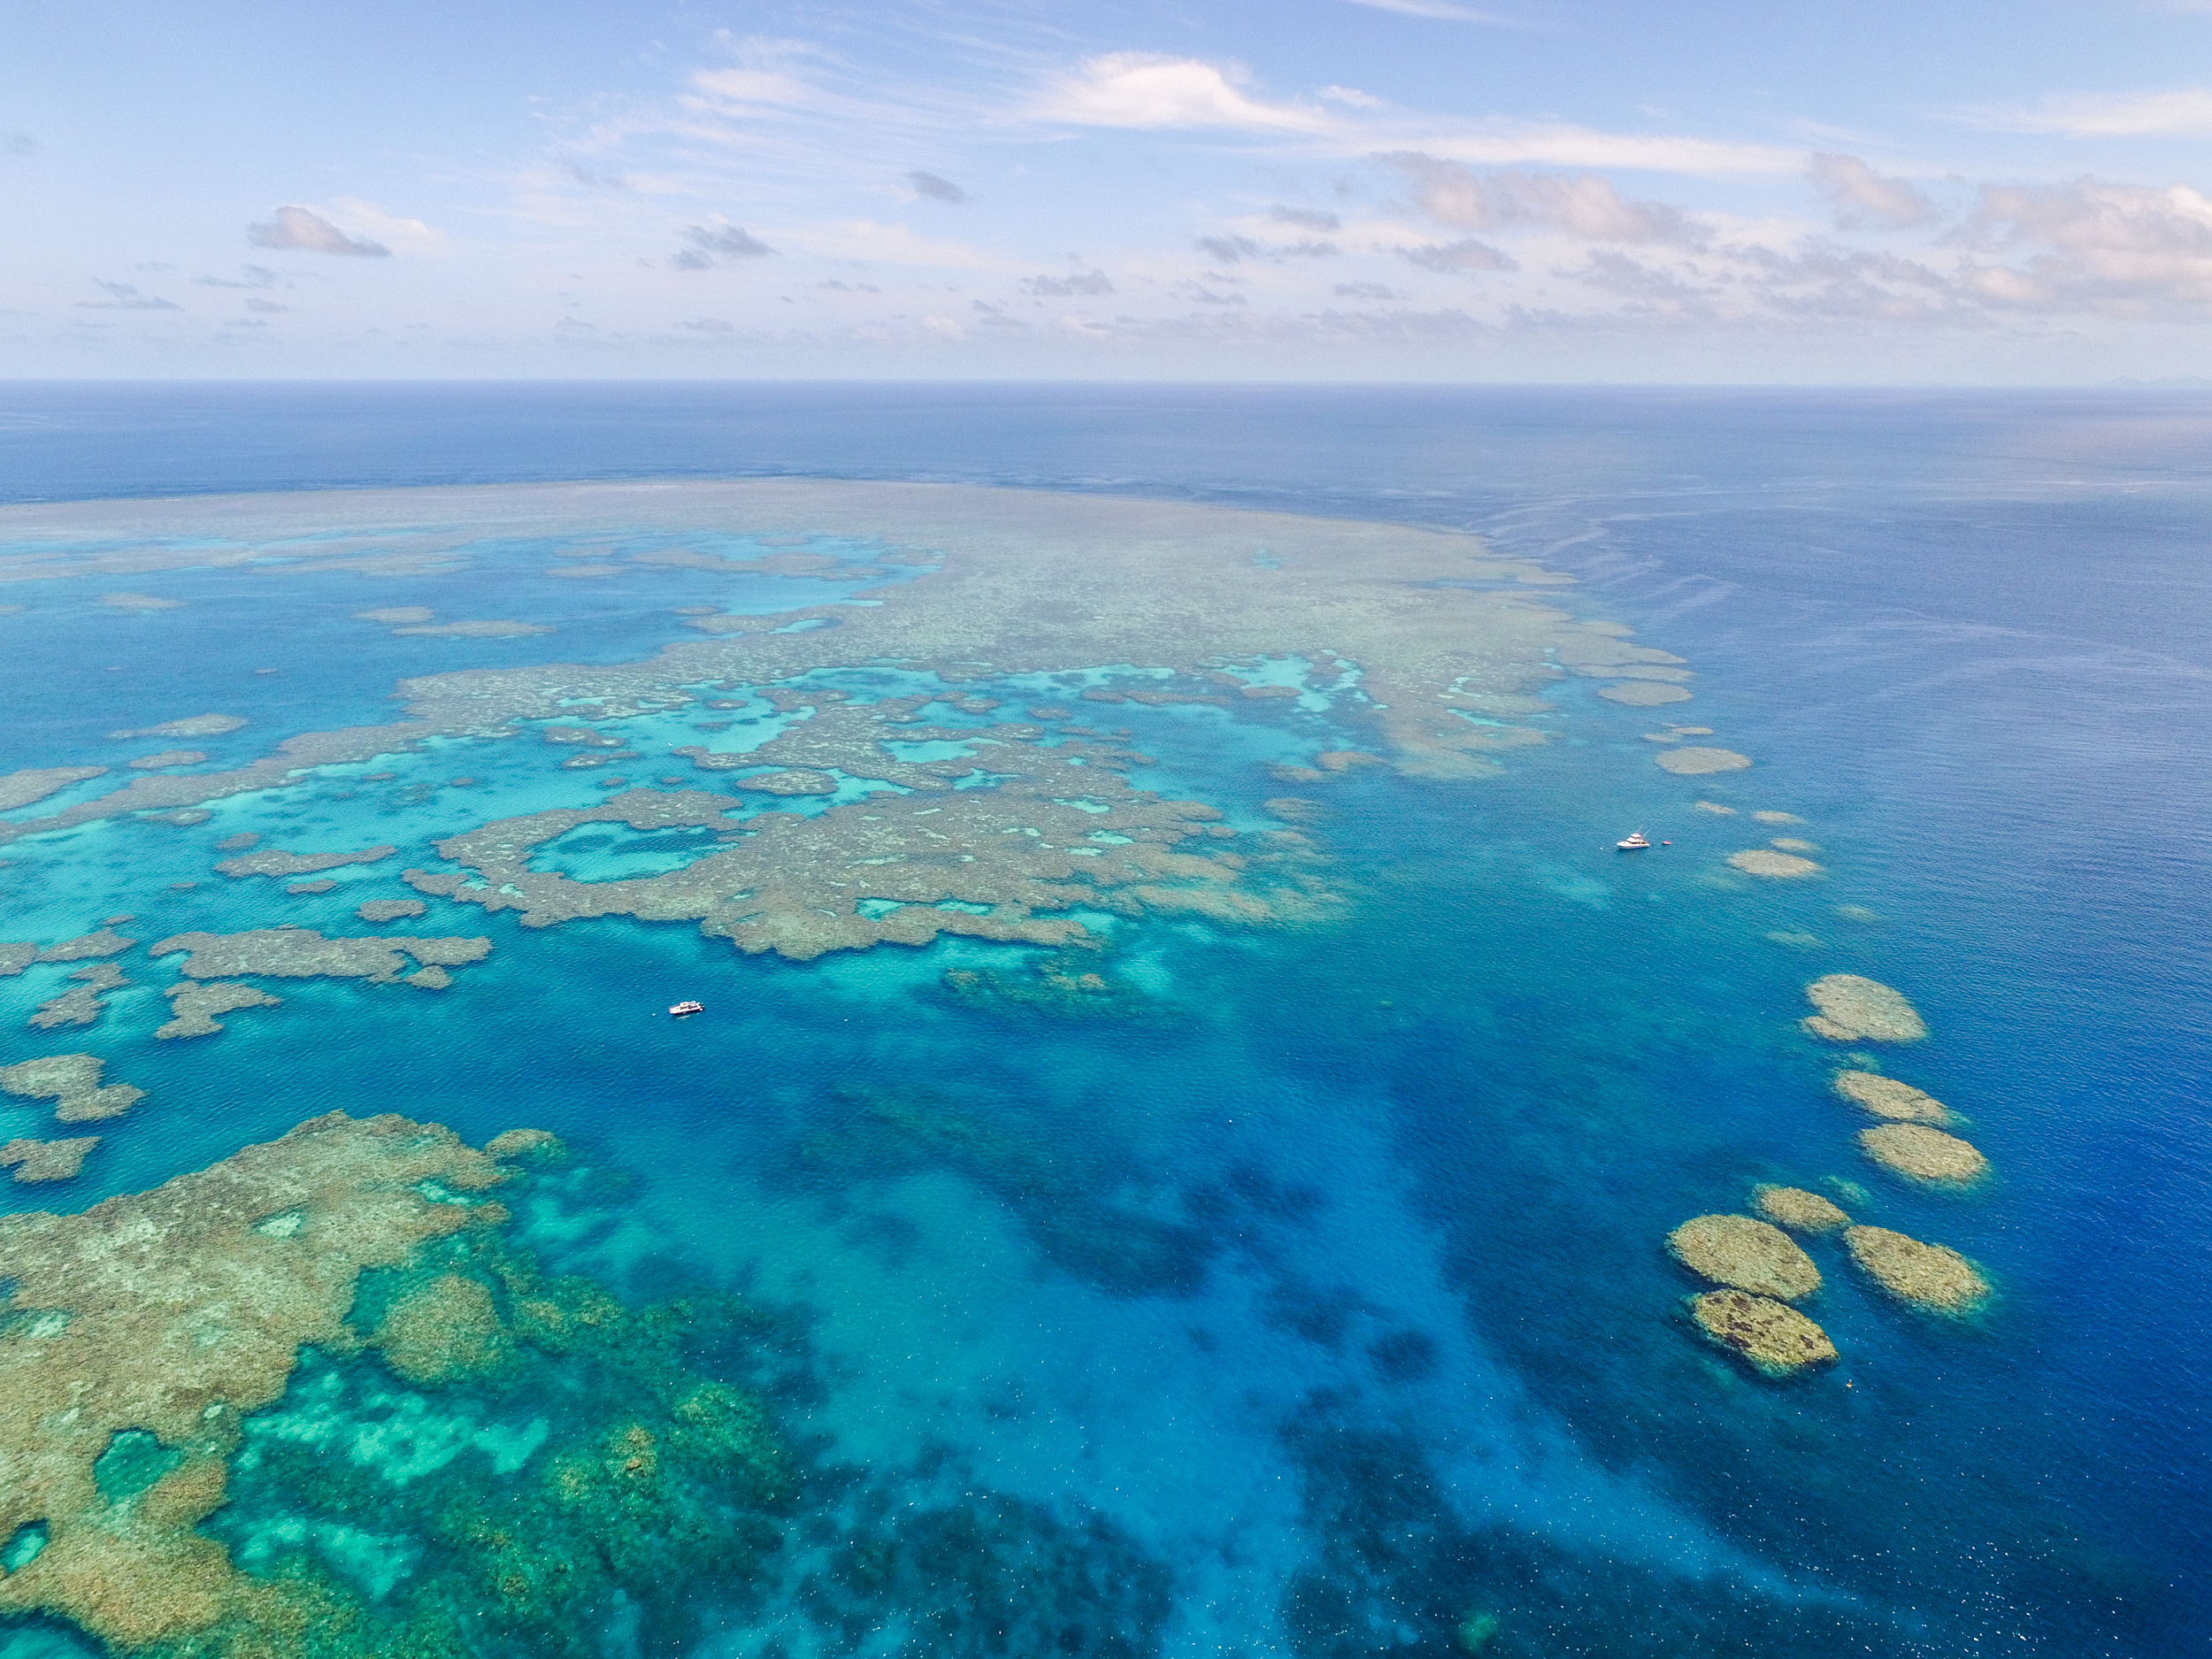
[712, 244]
[1863, 199]
[2185, 113]
[370, 222]
[1149, 90]
[1582, 204]
[297, 228]
[1557, 144]
[121, 296]
[1060, 288]
[2092, 246]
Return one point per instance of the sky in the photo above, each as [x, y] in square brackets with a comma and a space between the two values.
[1453, 190]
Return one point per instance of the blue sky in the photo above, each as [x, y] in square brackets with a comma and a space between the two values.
[1365, 189]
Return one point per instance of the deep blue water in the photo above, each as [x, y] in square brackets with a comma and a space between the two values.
[1350, 1308]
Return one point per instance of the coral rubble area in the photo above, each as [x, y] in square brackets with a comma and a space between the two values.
[312, 1403]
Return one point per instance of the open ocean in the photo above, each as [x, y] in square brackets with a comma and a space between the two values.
[1325, 1309]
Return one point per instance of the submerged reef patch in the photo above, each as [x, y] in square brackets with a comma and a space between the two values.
[1771, 1337]
[273, 862]
[194, 1006]
[168, 758]
[1922, 1153]
[46, 1160]
[298, 953]
[21, 788]
[72, 1081]
[106, 942]
[389, 909]
[1932, 1276]
[192, 726]
[238, 1477]
[479, 630]
[1886, 1097]
[1746, 1254]
[1695, 763]
[1644, 694]
[1852, 1009]
[1757, 861]
[1799, 1211]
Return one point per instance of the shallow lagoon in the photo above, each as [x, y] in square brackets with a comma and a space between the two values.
[1322, 1267]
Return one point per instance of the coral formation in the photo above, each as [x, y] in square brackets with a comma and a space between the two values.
[1694, 763]
[273, 862]
[481, 630]
[1886, 1097]
[1776, 1340]
[1715, 807]
[1777, 818]
[297, 953]
[396, 615]
[1644, 694]
[1746, 1254]
[898, 867]
[389, 909]
[193, 1007]
[1757, 861]
[72, 1081]
[1924, 1154]
[1853, 1008]
[21, 788]
[15, 956]
[1799, 1211]
[46, 1160]
[1932, 1276]
[445, 1328]
[106, 942]
[80, 1007]
[192, 726]
[1790, 843]
[141, 602]
[168, 758]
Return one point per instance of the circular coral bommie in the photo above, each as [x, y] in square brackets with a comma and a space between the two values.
[1932, 1276]
[1745, 1254]
[1852, 1007]
[1775, 1340]
[1923, 1154]
[1801, 1212]
[1776, 866]
[1886, 1097]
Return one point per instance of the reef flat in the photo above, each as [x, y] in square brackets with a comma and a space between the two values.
[1801, 1212]
[1886, 1097]
[1922, 1153]
[1745, 1254]
[1773, 1338]
[1852, 1009]
[1932, 1276]
[297, 953]
[1450, 643]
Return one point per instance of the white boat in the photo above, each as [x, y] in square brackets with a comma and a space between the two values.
[1635, 844]
[680, 1010]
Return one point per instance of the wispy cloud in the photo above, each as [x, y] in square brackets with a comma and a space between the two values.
[1459, 258]
[712, 244]
[16, 143]
[1062, 287]
[1443, 11]
[121, 296]
[296, 227]
[2183, 113]
[251, 276]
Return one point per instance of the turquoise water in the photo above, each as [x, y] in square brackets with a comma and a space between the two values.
[1308, 1297]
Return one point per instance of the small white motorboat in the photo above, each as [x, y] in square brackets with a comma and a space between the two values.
[681, 1009]
[1635, 844]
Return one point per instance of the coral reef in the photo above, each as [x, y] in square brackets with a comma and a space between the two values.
[80, 1007]
[1923, 1154]
[46, 1160]
[1777, 818]
[21, 788]
[141, 602]
[479, 630]
[193, 1007]
[393, 616]
[1854, 1009]
[1799, 1211]
[1715, 807]
[1886, 1097]
[15, 956]
[168, 758]
[1757, 861]
[297, 953]
[1745, 1255]
[1695, 763]
[1932, 1276]
[1644, 694]
[106, 942]
[1060, 833]
[389, 909]
[1774, 1340]
[444, 1329]
[192, 726]
[72, 1081]
[272, 863]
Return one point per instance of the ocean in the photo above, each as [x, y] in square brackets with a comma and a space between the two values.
[1308, 1293]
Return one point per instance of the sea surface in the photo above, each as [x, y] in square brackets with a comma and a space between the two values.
[1317, 1304]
